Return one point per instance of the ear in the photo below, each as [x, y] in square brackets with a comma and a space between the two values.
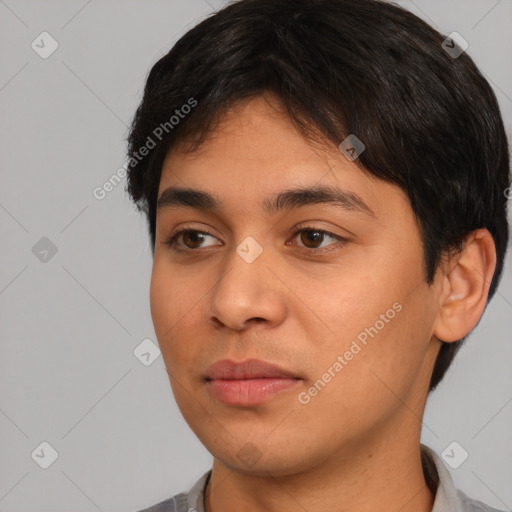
[466, 278]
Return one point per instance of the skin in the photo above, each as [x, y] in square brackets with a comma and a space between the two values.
[355, 445]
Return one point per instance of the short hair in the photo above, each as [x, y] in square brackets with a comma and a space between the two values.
[429, 120]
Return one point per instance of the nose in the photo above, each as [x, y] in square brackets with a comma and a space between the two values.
[246, 294]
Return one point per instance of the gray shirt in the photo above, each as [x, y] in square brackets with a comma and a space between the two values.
[447, 497]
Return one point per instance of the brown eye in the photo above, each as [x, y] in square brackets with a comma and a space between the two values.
[193, 239]
[313, 240]
[190, 240]
[310, 238]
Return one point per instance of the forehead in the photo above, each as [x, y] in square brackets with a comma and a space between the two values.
[254, 153]
[253, 130]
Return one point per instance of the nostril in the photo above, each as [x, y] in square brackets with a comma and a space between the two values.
[217, 322]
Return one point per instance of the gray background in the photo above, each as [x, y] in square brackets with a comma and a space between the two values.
[70, 324]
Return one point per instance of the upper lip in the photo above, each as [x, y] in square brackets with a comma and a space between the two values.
[248, 369]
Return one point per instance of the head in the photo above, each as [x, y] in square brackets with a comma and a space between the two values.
[269, 96]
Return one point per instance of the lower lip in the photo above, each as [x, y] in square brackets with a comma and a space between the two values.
[249, 391]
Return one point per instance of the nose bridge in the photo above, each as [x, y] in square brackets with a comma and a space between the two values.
[247, 289]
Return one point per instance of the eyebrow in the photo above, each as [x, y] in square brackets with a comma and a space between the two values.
[175, 197]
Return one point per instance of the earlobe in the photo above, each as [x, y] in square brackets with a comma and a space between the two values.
[467, 277]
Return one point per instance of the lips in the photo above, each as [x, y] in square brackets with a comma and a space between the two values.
[249, 369]
[248, 383]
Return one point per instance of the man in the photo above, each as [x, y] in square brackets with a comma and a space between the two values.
[325, 186]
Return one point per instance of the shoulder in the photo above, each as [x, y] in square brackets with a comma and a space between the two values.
[191, 501]
[472, 505]
[447, 498]
[177, 503]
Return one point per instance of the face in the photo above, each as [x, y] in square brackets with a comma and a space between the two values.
[326, 283]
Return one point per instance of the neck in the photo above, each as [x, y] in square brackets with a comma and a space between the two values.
[389, 477]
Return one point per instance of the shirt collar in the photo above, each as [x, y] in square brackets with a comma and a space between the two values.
[447, 497]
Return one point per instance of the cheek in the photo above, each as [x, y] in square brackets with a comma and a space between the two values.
[345, 308]
[161, 303]
[176, 309]
[355, 386]
[372, 336]
[171, 296]
[168, 307]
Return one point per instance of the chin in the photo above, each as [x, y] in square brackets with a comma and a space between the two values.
[260, 457]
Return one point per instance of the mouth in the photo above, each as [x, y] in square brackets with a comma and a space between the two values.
[248, 383]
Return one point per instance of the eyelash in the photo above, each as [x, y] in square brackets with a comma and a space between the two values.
[172, 240]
